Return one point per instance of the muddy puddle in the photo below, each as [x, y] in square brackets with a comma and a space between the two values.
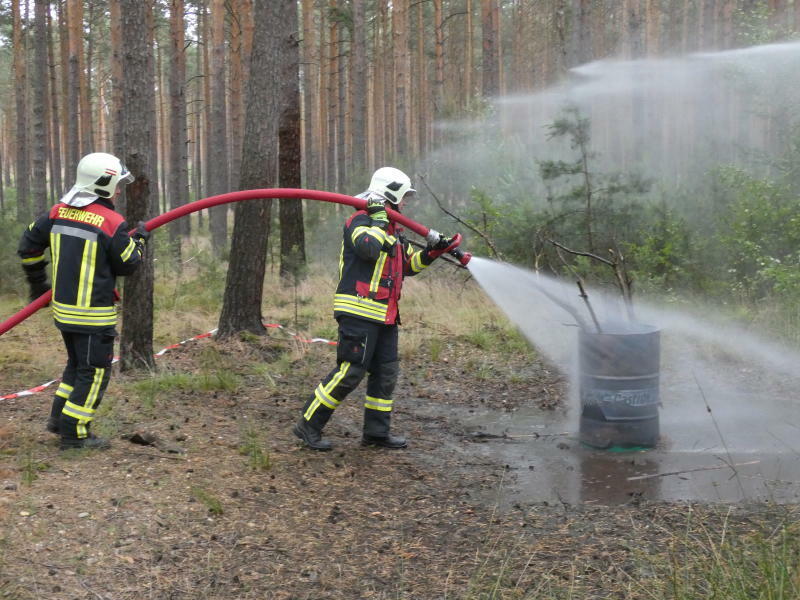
[755, 431]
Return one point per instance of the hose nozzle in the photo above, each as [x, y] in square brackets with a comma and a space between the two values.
[461, 256]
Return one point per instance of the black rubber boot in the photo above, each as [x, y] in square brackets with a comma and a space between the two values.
[52, 425]
[393, 442]
[89, 443]
[311, 436]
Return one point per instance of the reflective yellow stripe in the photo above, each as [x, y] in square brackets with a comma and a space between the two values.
[365, 302]
[69, 319]
[358, 232]
[86, 277]
[416, 262]
[81, 413]
[359, 313]
[359, 308]
[102, 311]
[322, 395]
[376, 273]
[64, 390]
[32, 260]
[94, 391]
[341, 261]
[55, 251]
[378, 404]
[126, 254]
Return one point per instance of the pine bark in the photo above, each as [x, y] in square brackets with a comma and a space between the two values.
[55, 125]
[236, 108]
[402, 75]
[73, 101]
[241, 309]
[22, 166]
[84, 86]
[178, 145]
[311, 106]
[292, 231]
[490, 75]
[218, 140]
[40, 100]
[359, 116]
[138, 98]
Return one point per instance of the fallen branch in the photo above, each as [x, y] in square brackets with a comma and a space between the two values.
[470, 226]
[725, 466]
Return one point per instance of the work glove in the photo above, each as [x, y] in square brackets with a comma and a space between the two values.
[141, 233]
[444, 244]
[37, 280]
[377, 212]
[37, 289]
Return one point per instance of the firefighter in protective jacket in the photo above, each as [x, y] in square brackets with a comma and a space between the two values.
[374, 260]
[89, 247]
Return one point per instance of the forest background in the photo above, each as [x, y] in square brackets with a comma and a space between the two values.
[472, 97]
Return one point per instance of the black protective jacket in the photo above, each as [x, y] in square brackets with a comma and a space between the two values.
[89, 248]
[372, 265]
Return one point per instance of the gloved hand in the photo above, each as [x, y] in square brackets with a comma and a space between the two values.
[376, 209]
[141, 234]
[37, 279]
[38, 288]
[444, 244]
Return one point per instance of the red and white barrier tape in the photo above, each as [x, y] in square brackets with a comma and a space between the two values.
[44, 386]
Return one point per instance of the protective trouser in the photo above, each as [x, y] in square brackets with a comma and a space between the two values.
[85, 378]
[364, 347]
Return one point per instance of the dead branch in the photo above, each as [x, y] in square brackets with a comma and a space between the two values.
[715, 468]
[617, 264]
[585, 297]
[466, 224]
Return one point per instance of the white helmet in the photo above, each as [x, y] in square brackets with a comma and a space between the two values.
[97, 176]
[391, 184]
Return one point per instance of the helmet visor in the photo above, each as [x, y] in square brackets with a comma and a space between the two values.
[125, 176]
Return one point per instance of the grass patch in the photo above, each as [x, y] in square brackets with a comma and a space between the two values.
[253, 448]
[29, 465]
[211, 502]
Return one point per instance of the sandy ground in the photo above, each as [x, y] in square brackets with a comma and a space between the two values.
[227, 503]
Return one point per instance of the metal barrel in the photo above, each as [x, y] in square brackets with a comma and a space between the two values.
[619, 387]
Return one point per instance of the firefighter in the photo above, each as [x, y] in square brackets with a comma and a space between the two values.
[89, 247]
[373, 262]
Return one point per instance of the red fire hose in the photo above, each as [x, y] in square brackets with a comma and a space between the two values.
[186, 209]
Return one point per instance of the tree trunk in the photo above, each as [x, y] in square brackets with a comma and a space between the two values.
[55, 126]
[20, 90]
[293, 255]
[341, 104]
[138, 98]
[117, 104]
[39, 161]
[438, 52]
[490, 75]
[311, 106]
[178, 143]
[241, 309]
[332, 92]
[402, 75]
[84, 85]
[359, 118]
[218, 140]
[379, 120]
[469, 56]
[236, 109]
[73, 100]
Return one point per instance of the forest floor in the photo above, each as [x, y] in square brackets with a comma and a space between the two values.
[226, 503]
